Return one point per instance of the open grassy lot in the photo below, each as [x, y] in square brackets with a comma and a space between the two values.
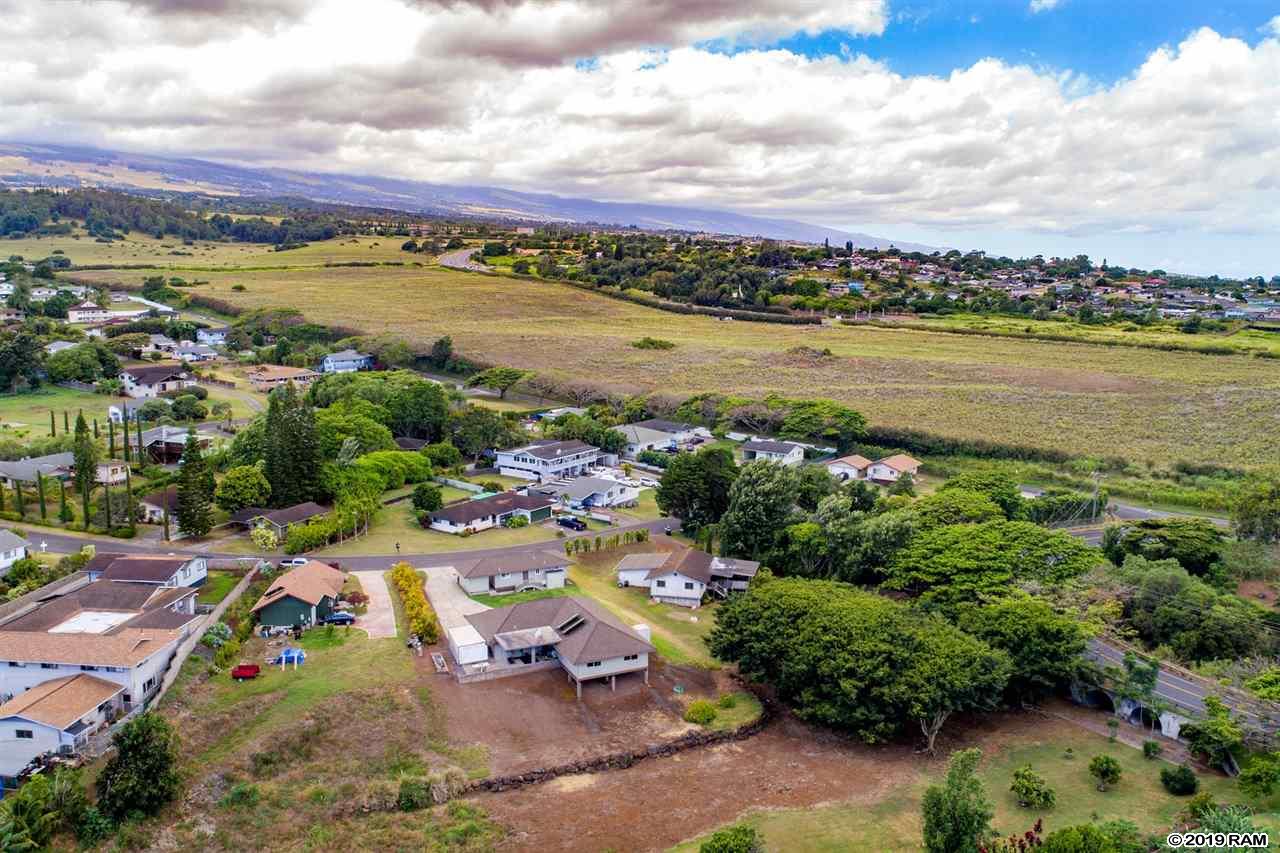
[396, 524]
[217, 587]
[511, 598]
[26, 415]
[1139, 403]
[892, 822]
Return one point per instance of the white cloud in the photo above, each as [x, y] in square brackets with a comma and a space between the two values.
[1190, 141]
[1272, 26]
[1043, 5]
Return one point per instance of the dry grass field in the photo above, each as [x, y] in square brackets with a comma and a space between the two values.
[1145, 405]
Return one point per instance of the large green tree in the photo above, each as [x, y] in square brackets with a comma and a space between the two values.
[242, 486]
[291, 450]
[418, 411]
[142, 776]
[999, 488]
[194, 511]
[954, 506]
[85, 465]
[1256, 513]
[475, 429]
[1044, 646]
[500, 379]
[1196, 543]
[762, 501]
[695, 487]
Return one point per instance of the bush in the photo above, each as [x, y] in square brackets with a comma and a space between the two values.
[733, 839]
[700, 712]
[727, 701]
[1106, 770]
[217, 635]
[1180, 781]
[427, 497]
[1151, 749]
[418, 613]
[141, 777]
[227, 654]
[241, 795]
[415, 793]
[652, 343]
[94, 827]
[1031, 789]
[516, 521]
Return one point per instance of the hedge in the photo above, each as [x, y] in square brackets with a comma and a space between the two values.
[417, 612]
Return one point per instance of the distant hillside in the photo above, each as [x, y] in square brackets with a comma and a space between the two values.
[24, 164]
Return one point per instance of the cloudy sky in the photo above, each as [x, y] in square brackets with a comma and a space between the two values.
[1149, 133]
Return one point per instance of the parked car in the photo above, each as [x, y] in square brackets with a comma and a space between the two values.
[572, 523]
[293, 562]
[338, 619]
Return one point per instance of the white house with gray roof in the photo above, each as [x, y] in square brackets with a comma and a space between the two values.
[683, 576]
[782, 452]
[12, 549]
[548, 460]
[346, 361]
[584, 493]
[513, 572]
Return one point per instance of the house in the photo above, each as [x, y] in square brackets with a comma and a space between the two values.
[12, 549]
[548, 460]
[152, 380]
[494, 511]
[214, 337]
[346, 361]
[122, 632]
[58, 346]
[55, 717]
[56, 466]
[111, 472]
[585, 493]
[513, 572]
[683, 576]
[164, 444]
[126, 408]
[159, 343]
[654, 434]
[152, 569]
[157, 503]
[301, 596]
[889, 469]
[87, 312]
[849, 467]
[573, 633]
[782, 452]
[279, 520]
[11, 315]
[413, 444]
[265, 377]
[195, 353]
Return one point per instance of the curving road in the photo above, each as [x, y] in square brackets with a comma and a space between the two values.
[461, 260]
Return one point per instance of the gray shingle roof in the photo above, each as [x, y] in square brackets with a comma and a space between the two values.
[600, 637]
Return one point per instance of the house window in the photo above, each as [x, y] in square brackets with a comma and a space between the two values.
[87, 668]
[16, 663]
[688, 584]
[24, 734]
[662, 584]
[595, 663]
[631, 657]
[48, 666]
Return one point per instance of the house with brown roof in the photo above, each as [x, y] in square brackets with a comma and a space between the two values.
[301, 596]
[155, 504]
[154, 569]
[279, 520]
[853, 467]
[145, 381]
[513, 572]
[493, 511]
[889, 469]
[265, 377]
[54, 717]
[685, 575]
[574, 633]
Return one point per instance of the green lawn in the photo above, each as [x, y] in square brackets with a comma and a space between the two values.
[26, 415]
[507, 482]
[396, 524]
[893, 824]
[745, 709]
[520, 597]
[217, 587]
[646, 508]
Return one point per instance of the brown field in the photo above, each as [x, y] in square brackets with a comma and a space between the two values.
[1145, 405]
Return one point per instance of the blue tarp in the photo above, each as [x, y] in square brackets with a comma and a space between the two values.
[291, 655]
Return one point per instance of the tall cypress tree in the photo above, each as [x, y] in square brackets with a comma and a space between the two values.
[111, 439]
[95, 428]
[195, 513]
[66, 424]
[19, 501]
[128, 497]
[85, 453]
[44, 512]
[128, 451]
[64, 513]
[53, 425]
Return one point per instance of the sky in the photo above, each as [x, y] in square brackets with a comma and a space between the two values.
[1148, 133]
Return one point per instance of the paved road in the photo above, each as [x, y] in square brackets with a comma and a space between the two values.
[379, 619]
[461, 260]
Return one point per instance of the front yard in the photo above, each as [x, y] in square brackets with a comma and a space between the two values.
[397, 524]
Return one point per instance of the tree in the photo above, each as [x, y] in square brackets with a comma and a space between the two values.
[905, 485]
[427, 497]
[44, 511]
[1106, 770]
[957, 814]
[964, 562]
[1256, 512]
[999, 488]
[499, 379]
[242, 486]
[1044, 646]
[443, 455]
[442, 352]
[20, 361]
[418, 411]
[85, 465]
[761, 501]
[195, 515]
[1217, 737]
[142, 776]
[475, 429]
[264, 538]
[1031, 790]
[1195, 543]
[695, 487]
[954, 506]
[950, 671]
[291, 450]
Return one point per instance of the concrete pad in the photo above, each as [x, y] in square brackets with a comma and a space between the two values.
[450, 601]
[380, 619]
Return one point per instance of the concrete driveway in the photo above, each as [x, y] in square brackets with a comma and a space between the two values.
[451, 604]
[380, 619]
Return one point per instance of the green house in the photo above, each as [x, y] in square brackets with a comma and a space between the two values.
[301, 596]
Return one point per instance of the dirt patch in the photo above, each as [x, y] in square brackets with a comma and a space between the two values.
[1261, 592]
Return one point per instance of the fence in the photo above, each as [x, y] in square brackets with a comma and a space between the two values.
[76, 385]
[460, 484]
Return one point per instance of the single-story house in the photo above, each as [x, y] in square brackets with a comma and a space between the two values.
[57, 716]
[585, 639]
[57, 466]
[121, 409]
[589, 492]
[155, 504]
[164, 444]
[683, 576]
[265, 377]
[159, 343]
[782, 452]
[513, 572]
[58, 346]
[151, 380]
[280, 520]
[214, 337]
[12, 549]
[849, 467]
[889, 469]
[346, 361]
[548, 460]
[195, 353]
[155, 569]
[653, 434]
[301, 596]
[484, 513]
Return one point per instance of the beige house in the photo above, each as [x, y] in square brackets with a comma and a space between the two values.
[265, 377]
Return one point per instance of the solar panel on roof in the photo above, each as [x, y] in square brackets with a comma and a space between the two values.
[574, 621]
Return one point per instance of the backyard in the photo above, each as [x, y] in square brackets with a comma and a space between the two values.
[217, 587]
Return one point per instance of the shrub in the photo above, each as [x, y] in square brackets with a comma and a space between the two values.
[652, 343]
[427, 497]
[228, 653]
[516, 521]
[733, 839]
[701, 712]
[241, 795]
[418, 613]
[1031, 789]
[1106, 770]
[94, 827]
[727, 701]
[415, 793]
[142, 776]
[217, 635]
[1151, 749]
[1180, 781]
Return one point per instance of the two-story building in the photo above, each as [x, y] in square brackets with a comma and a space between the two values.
[685, 575]
[152, 380]
[346, 361]
[88, 312]
[214, 337]
[548, 460]
[154, 569]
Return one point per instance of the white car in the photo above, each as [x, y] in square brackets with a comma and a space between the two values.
[293, 562]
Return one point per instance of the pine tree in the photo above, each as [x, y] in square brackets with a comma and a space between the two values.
[128, 497]
[111, 439]
[292, 452]
[66, 424]
[128, 451]
[95, 428]
[64, 512]
[18, 499]
[85, 453]
[44, 512]
[195, 514]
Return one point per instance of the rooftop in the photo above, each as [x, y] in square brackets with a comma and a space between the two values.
[516, 562]
[499, 504]
[309, 582]
[765, 445]
[554, 449]
[150, 374]
[587, 632]
[61, 702]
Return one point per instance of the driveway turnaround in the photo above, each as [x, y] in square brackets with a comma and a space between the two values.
[380, 619]
[451, 604]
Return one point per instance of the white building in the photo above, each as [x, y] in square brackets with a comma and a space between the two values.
[346, 361]
[585, 493]
[849, 467]
[152, 569]
[782, 452]
[513, 573]
[682, 577]
[889, 469]
[493, 511]
[215, 337]
[654, 434]
[12, 549]
[151, 380]
[88, 312]
[55, 717]
[548, 460]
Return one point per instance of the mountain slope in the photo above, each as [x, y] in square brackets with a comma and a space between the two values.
[39, 164]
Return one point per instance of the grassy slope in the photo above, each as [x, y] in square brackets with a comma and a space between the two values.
[1144, 404]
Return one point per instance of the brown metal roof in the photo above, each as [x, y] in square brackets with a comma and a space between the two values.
[60, 702]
